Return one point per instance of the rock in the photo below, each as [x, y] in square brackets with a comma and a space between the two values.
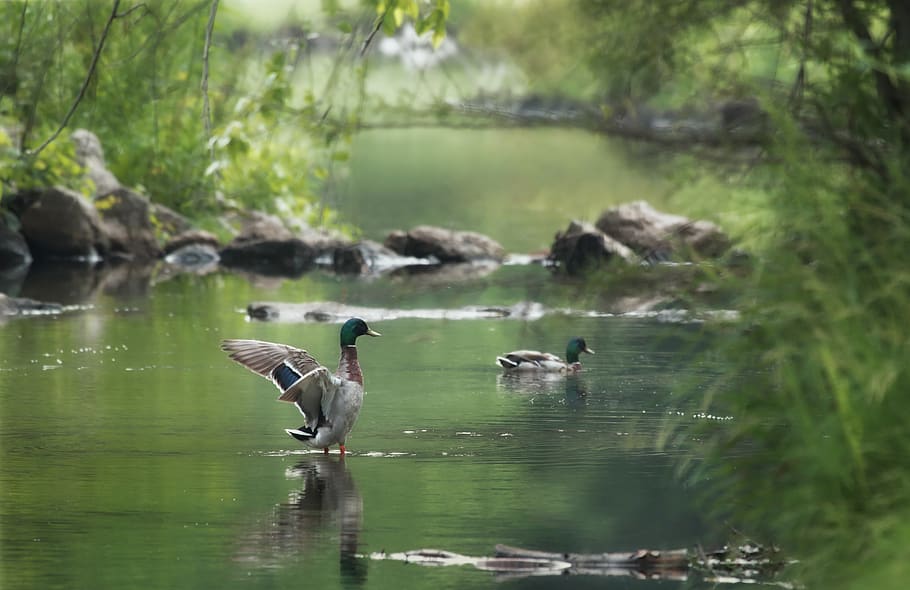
[291, 257]
[444, 274]
[582, 246]
[193, 251]
[349, 260]
[192, 236]
[258, 226]
[198, 258]
[14, 252]
[169, 221]
[323, 240]
[127, 217]
[90, 155]
[59, 223]
[11, 306]
[367, 256]
[654, 234]
[444, 244]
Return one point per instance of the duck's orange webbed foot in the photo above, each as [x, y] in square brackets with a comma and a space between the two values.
[342, 449]
[325, 450]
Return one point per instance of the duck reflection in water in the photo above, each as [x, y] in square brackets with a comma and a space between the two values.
[574, 387]
[327, 498]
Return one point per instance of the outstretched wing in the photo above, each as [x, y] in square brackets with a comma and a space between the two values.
[300, 378]
[510, 360]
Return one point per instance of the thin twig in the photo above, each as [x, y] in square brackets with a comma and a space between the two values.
[133, 8]
[369, 39]
[88, 79]
[206, 109]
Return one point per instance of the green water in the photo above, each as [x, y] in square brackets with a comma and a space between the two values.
[135, 455]
[519, 186]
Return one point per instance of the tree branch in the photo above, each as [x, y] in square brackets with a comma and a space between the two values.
[887, 91]
[206, 108]
[376, 27]
[88, 79]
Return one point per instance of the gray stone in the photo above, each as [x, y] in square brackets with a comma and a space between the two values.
[127, 218]
[189, 237]
[444, 244]
[258, 226]
[90, 154]
[59, 223]
[12, 306]
[169, 221]
[657, 235]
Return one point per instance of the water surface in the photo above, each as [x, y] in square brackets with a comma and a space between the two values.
[136, 454]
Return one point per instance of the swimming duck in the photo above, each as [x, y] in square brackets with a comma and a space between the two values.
[532, 360]
[329, 403]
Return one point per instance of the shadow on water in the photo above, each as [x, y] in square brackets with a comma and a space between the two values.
[328, 498]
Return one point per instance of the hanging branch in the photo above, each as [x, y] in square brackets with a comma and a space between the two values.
[369, 40]
[88, 78]
[206, 109]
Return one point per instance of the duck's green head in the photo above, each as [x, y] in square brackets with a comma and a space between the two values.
[353, 328]
[575, 347]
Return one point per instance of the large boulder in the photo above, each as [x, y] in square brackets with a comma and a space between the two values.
[59, 223]
[446, 245]
[291, 257]
[582, 247]
[127, 218]
[657, 235]
[91, 156]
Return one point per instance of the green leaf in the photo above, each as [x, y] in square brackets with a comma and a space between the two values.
[345, 27]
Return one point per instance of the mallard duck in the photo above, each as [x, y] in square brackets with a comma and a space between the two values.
[533, 360]
[329, 403]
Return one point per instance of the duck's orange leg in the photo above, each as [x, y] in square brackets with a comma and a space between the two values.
[325, 450]
[341, 448]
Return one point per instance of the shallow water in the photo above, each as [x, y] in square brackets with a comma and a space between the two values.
[135, 454]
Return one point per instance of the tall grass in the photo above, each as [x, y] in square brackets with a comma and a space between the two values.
[819, 380]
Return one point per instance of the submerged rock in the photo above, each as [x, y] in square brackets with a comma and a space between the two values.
[445, 245]
[13, 306]
[332, 311]
[194, 251]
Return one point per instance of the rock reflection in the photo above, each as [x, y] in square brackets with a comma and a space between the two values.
[297, 527]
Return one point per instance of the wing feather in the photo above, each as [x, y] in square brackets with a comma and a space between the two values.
[531, 356]
[312, 392]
